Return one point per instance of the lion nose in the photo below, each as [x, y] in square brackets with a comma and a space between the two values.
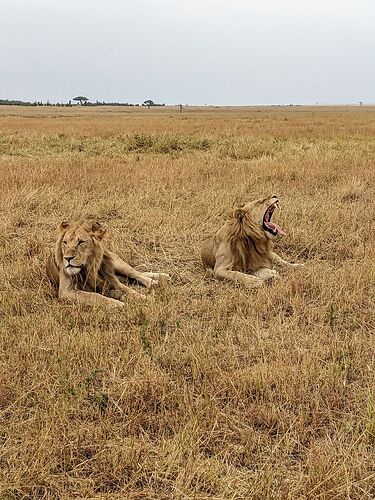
[68, 259]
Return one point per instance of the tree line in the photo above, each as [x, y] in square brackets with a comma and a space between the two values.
[79, 101]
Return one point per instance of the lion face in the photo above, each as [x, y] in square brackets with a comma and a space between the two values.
[261, 211]
[78, 244]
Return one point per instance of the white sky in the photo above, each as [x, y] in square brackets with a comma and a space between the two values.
[189, 51]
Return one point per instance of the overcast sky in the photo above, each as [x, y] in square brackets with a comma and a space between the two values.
[189, 51]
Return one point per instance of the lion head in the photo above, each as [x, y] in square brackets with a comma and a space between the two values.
[79, 246]
[256, 217]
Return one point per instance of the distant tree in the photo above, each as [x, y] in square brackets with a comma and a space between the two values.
[148, 103]
[81, 99]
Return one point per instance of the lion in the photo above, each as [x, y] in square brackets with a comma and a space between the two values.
[86, 272]
[242, 249]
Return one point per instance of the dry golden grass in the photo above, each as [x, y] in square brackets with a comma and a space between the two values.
[207, 390]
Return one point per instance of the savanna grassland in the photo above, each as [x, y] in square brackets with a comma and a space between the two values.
[206, 390]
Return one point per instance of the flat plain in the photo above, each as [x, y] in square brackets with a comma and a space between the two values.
[206, 390]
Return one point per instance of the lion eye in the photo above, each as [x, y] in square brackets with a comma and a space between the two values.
[65, 242]
[80, 242]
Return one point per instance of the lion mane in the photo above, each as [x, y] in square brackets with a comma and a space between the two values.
[98, 268]
[249, 246]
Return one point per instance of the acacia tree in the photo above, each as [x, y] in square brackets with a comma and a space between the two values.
[81, 99]
[148, 103]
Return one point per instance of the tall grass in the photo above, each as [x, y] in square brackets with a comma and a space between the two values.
[206, 390]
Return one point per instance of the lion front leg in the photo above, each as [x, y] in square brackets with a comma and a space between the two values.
[124, 269]
[249, 281]
[119, 291]
[157, 277]
[69, 294]
[223, 270]
[276, 259]
[90, 298]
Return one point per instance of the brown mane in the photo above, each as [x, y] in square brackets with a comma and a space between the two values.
[249, 245]
[98, 268]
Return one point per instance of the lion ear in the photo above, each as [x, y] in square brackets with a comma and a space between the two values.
[64, 225]
[98, 230]
[239, 213]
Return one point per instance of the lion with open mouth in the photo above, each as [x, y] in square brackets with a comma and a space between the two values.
[86, 272]
[242, 249]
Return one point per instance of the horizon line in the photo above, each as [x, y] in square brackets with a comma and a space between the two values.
[124, 103]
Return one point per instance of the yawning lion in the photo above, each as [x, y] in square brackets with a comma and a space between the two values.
[241, 250]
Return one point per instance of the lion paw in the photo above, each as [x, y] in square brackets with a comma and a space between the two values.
[150, 282]
[272, 273]
[266, 274]
[154, 282]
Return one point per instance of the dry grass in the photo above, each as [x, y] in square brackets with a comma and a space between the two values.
[206, 390]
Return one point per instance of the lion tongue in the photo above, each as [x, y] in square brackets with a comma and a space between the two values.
[276, 228]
